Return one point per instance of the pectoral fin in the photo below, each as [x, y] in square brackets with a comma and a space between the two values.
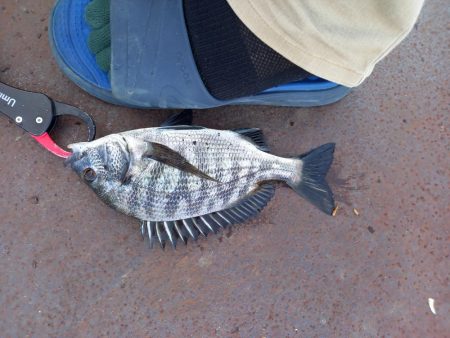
[164, 154]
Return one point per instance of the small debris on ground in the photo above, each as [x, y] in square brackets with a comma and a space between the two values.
[431, 305]
[356, 212]
[335, 211]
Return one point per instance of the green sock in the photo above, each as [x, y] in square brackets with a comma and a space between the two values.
[99, 40]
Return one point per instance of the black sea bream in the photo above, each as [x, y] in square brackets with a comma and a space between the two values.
[183, 180]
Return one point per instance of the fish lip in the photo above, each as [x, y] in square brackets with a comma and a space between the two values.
[72, 159]
[77, 153]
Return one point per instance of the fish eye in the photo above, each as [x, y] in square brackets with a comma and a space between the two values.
[89, 174]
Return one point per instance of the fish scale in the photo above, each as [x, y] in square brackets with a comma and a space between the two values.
[184, 181]
[202, 191]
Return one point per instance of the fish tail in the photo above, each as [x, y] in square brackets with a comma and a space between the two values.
[310, 183]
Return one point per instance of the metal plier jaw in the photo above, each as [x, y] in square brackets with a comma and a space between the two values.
[36, 113]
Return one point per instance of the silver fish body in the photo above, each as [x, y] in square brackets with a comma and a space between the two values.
[170, 176]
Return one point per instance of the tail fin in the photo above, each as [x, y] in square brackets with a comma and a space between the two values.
[312, 185]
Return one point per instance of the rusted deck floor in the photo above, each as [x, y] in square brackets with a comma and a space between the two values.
[70, 266]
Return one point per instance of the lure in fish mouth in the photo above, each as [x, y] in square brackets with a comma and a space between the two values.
[183, 181]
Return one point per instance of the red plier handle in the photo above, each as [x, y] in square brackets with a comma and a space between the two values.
[36, 113]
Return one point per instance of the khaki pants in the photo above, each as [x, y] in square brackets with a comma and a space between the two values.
[339, 40]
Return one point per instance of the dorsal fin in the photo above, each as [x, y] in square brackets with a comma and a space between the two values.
[245, 209]
[256, 136]
[182, 127]
[182, 118]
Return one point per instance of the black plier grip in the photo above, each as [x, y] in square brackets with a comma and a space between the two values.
[36, 113]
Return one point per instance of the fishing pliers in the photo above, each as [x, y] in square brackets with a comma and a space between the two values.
[36, 113]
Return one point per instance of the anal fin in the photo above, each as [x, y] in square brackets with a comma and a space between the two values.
[245, 209]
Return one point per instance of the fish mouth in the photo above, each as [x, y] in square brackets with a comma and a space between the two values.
[78, 161]
[76, 156]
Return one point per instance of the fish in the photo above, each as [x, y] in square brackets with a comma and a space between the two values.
[183, 181]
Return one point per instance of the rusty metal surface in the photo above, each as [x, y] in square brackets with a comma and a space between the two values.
[70, 266]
